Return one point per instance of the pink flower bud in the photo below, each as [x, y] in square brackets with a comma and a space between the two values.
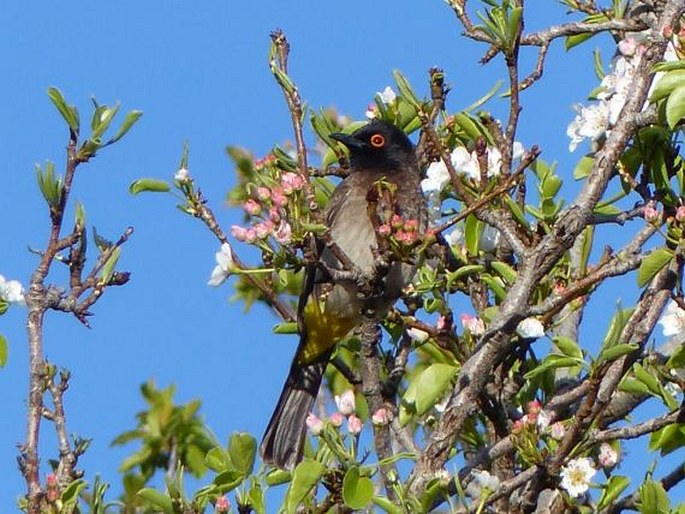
[252, 207]
[291, 182]
[222, 505]
[558, 431]
[240, 233]
[345, 402]
[314, 424]
[411, 225]
[263, 193]
[608, 457]
[473, 324]
[278, 197]
[397, 222]
[51, 480]
[336, 419]
[354, 425]
[559, 288]
[650, 213]
[264, 229]
[250, 235]
[534, 407]
[385, 230]
[381, 417]
[680, 213]
[275, 214]
[441, 323]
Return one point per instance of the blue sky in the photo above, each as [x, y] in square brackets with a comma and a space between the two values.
[199, 72]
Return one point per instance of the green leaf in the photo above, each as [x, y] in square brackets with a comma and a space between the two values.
[568, 347]
[149, 185]
[614, 352]
[228, 480]
[277, 476]
[652, 264]
[583, 168]
[256, 497]
[653, 498]
[287, 327]
[387, 505]
[157, 499]
[618, 322]
[668, 83]
[217, 459]
[406, 90]
[108, 268]
[106, 116]
[305, 476]
[553, 361]
[614, 487]
[576, 39]
[4, 351]
[357, 490]
[675, 107]
[131, 118]
[646, 378]
[3, 306]
[632, 386]
[496, 286]
[49, 185]
[242, 449]
[505, 271]
[668, 439]
[68, 112]
[426, 389]
[472, 231]
[70, 495]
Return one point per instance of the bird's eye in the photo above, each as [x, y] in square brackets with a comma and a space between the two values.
[377, 141]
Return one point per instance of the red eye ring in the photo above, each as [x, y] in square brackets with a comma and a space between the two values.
[377, 141]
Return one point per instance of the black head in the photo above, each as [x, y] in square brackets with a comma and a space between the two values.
[378, 145]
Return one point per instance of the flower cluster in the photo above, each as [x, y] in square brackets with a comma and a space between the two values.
[535, 416]
[405, 232]
[466, 163]
[595, 121]
[270, 206]
[346, 405]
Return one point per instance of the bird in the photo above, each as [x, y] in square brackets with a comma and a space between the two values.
[329, 310]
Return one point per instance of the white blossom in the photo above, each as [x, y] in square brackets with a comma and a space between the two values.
[11, 291]
[576, 476]
[416, 334]
[224, 266]
[465, 162]
[437, 177]
[543, 420]
[673, 320]
[345, 402]
[591, 122]
[387, 96]
[482, 480]
[182, 175]
[530, 328]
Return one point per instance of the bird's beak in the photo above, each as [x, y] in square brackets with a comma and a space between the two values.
[348, 140]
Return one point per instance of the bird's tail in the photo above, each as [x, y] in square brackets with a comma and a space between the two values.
[283, 441]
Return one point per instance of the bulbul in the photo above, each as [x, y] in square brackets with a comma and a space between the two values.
[329, 310]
